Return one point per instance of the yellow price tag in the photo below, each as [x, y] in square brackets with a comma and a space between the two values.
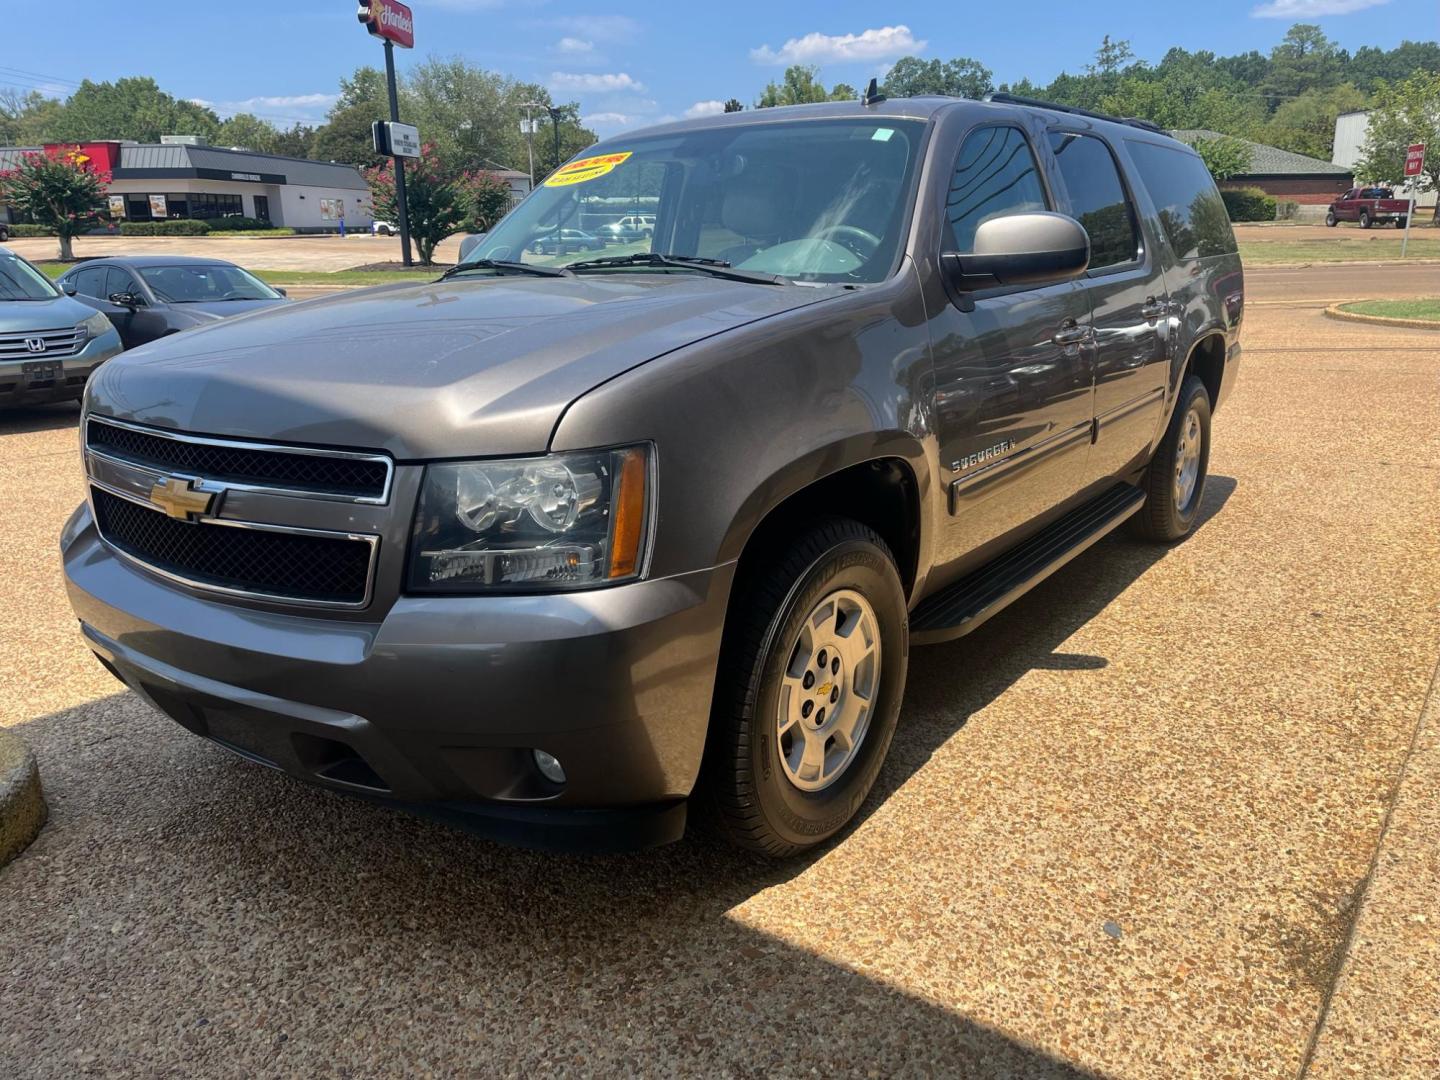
[577, 172]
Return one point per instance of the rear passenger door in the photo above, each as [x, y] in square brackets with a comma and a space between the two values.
[1129, 307]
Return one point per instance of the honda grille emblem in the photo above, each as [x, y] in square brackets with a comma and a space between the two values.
[35, 344]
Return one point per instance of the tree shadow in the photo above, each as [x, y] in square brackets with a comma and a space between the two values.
[234, 885]
[27, 419]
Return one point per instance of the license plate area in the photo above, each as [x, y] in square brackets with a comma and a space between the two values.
[42, 372]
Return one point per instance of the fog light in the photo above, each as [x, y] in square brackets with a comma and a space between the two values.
[549, 767]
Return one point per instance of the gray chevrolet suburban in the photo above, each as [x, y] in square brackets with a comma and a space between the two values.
[557, 546]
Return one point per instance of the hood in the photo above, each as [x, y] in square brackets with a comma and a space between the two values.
[469, 367]
[18, 316]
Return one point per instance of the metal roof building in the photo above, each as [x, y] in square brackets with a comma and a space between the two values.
[1282, 173]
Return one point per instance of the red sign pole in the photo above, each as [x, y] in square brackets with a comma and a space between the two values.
[392, 22]
[1414, 166]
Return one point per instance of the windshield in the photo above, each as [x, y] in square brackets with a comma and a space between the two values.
[811, 200]
[205, 282]
[21, 281]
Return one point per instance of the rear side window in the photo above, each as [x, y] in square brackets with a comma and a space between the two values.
[1191, 210]
[995, 175]
[1097, 198]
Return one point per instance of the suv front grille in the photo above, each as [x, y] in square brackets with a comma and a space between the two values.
[282, 565]
[58, 343]
[331, 473]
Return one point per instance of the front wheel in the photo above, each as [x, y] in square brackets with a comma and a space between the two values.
[1174, 483]
[811, 677]
[1364, 220]
[1330, 219]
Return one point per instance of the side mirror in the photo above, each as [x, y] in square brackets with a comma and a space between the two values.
[1021, 249]
[126, 299]
[68, 287]
[278, 289]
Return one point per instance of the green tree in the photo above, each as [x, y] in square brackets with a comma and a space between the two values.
[297, 141]
[1306, 124]
[1110, 57]
[434, 194]
[345, 136]
[249, 133]
[131, 108]
[489, 200]
[1407, 112]
[59, 190]
[1304, 60]
[960, 77]
[1225, 157]
[800, 85]
[733, 105]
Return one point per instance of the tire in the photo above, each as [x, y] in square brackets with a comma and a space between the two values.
[1331, 220]
[1400, 222]
[1364, 220]
[1171, 507]
[750, 784]
[4, 235]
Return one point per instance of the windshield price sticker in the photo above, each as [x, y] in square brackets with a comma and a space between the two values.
[577, 172]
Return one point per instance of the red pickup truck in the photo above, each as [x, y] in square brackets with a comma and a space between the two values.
[1368, 206]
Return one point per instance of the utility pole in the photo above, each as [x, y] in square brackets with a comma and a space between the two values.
[556, 115]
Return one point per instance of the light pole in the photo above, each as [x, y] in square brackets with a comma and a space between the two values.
[555, 116]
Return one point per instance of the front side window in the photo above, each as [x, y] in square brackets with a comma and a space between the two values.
[995, 175]
[203, 283]
[1097, 198]
[811, 200]
[90, 281]
[1189, 205]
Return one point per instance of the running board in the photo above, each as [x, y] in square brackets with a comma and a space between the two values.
[961, 607]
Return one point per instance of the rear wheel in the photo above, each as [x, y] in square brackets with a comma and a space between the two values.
[1364, 220]
[1174, 483]
[811, 678]
[1400, 222]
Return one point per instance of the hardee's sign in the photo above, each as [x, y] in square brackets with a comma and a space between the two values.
[389, 19]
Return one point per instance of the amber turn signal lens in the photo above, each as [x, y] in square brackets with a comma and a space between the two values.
[628, 530]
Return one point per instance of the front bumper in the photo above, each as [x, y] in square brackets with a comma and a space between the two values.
[438, 704]
[16, 388]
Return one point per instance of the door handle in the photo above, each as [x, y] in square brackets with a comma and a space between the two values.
[1070, 333]
[1155, 309]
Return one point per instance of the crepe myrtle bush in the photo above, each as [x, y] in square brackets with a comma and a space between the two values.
[59, 189]
[440, 198]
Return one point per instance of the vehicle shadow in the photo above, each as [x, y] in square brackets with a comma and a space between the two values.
[427, 936]
[25, 419]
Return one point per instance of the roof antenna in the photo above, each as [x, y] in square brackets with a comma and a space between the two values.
[872, 95]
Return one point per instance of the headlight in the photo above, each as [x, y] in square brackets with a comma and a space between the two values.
[567, 521]
[92, 327]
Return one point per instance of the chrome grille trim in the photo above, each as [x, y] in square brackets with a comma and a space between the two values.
[59, 343]
[383, 460]
[204, 586]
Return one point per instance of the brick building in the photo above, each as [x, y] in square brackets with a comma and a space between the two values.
[1282, 173]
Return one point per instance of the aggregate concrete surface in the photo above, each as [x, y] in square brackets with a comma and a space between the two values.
[1128, 828]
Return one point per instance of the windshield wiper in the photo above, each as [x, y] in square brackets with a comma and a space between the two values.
[715, 267]
[505, 264]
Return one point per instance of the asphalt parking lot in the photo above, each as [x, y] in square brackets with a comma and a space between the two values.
[1173, 814]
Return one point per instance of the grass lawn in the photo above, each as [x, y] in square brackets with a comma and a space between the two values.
[1397, 309]
[1338, 246]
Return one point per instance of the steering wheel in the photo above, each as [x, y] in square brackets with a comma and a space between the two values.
[853, 238]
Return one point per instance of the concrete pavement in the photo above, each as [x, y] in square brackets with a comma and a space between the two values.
[1131, 827]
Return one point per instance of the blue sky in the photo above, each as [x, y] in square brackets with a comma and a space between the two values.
[632, 62]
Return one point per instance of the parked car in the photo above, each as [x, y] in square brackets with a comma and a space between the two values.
[565, 241]
[546, 548]
[629, 228]
[470, 242]
[1369, 206]
[384, 228]
[49, 344]
[150, 296]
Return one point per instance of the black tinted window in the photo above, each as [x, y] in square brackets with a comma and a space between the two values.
[1097, 197]
[119, 281]
[994, 175]
[1190, 208]
[90, 282]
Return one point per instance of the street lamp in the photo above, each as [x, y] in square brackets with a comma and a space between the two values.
[555, 116]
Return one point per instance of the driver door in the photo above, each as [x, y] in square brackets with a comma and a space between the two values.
[1014, 366]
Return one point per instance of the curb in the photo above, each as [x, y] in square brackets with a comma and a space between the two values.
[1336, 311]
[22, 806]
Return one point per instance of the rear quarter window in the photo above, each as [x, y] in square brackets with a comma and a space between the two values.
[1191, 211]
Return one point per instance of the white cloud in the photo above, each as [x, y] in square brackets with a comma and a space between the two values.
[817, 48]
[278, 107]
[574, 46]
[594, 83]
[1310, 9]
[704, 108]
[598, 27]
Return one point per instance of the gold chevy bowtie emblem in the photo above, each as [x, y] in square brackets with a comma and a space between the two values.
[180, 498]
